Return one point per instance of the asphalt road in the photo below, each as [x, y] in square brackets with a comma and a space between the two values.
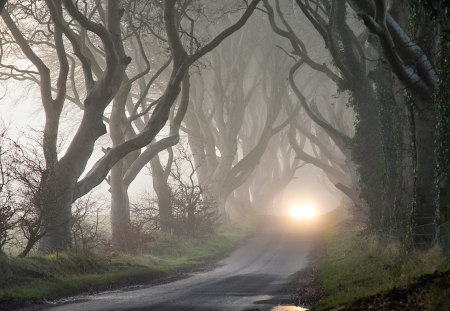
[251, 278]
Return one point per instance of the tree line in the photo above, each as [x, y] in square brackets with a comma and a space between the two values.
[252, 90]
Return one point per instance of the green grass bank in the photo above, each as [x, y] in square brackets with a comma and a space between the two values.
[359, 266]
[63, 274]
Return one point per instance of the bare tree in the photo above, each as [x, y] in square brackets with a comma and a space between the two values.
[228, 129]
[194, 214]
[335, 131]
[61, 183]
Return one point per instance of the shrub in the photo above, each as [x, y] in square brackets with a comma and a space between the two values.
[194, 212]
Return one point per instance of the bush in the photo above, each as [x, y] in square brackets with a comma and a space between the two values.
[134, 239]
[194, 212]
[197, 217]
[21, 172]
[88, 229]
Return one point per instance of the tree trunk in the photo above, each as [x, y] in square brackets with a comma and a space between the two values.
[163, 193]
[120, 209]
[55, 202]
[425, 188]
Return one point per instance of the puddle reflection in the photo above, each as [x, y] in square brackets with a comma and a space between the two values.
[288, 308]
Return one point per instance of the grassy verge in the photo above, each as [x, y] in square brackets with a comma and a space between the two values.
[358, 266]
[62, 274]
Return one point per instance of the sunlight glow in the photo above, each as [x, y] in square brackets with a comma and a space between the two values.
[303, 212]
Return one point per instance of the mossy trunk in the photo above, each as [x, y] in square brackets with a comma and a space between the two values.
[54, 200]
[425, 188]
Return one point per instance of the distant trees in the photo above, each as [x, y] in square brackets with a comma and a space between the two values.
[237, 107]
[342, 175]
[395, 106]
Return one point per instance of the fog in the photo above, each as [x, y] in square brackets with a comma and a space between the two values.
[242, 85]
[183, 116]
[222, 150]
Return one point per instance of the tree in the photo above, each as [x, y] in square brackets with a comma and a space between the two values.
[302, 58]
[227, 129]
[413, 66]
[380, 167]
[61, 183]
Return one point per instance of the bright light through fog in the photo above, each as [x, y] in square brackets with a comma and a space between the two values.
[305, 211]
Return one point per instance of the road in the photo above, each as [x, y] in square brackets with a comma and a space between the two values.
[250, 278]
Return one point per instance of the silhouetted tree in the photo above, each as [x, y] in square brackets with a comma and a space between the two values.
[61, 184]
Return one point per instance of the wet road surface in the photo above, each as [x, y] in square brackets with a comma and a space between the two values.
[250, 278]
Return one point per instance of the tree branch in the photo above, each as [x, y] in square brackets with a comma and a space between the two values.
[161, 113]
[342, 140]
[420, 77]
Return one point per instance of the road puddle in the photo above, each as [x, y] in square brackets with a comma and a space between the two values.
[288, 308]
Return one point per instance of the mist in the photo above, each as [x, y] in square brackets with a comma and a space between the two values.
[152, 128]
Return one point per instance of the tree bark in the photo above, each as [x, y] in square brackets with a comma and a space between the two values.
[163, 193]
[55, 204]
[425, 188]
[120, 210]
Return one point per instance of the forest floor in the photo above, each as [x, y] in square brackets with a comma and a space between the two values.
[35, 279]
[356, 271]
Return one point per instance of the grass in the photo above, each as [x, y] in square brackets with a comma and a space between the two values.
[358, 265]
[63, 274]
